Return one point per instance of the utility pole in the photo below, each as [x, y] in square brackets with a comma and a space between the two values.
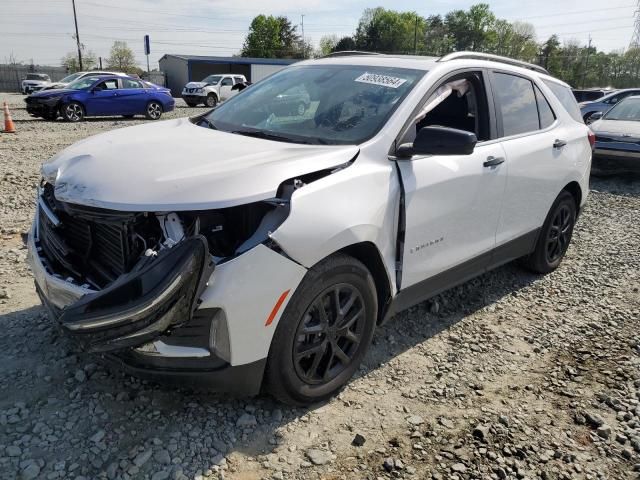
[415, 37]
[635, 39]
[586, 63]
[304, 45]
[75, 19]
[100, 60]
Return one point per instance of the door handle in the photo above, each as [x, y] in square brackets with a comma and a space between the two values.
[559, 143]
[493, 161]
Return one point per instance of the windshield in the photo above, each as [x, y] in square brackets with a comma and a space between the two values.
[36, 76]
[82, 83]
[212, 79]
[70, 78]
[628, 110]
[319, 104]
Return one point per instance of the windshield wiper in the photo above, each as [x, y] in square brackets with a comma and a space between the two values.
[268, 136]
[209, 123]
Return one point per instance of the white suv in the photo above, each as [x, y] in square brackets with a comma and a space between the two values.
[213, 89]
[261, 245]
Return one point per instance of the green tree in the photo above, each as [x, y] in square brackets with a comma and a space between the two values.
[382, 30]
[273, 37]
[437, 39]
[345, 44]
[70, 61]
[122, 59]
[472, 30]
[327, 44]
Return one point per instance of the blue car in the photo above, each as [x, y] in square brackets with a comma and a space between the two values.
[101, 96]
[605, 103]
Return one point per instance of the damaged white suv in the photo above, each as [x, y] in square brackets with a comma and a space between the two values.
[260, 246]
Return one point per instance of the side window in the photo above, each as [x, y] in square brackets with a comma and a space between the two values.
[227, 82]
[516, 103]
[566, 98]
[238, 79]
[108, 85]
[128, 83]
[544, 109]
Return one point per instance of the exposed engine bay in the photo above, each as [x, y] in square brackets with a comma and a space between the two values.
[93, 247]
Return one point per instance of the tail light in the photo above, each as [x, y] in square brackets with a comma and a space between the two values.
[592, 138]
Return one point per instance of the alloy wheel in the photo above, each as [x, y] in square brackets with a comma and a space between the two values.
[328, 336]
[73, 112]
[559, 234]
[154, 111]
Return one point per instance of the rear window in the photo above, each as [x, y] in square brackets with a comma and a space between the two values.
[566, 98]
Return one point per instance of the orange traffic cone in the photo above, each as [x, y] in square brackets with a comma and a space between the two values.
[9, 126]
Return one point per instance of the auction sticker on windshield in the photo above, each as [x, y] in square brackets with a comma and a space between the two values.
[383, 80]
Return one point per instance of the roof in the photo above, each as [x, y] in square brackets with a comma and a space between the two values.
[235, 60]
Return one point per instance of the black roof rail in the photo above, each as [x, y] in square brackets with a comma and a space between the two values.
[492, 58]
[349, 53]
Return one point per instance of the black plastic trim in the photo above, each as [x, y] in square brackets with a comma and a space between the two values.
[436, 284]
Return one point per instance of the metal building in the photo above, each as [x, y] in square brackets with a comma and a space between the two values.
[180, 69]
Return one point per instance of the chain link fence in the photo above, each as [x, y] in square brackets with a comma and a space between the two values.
[11, 75]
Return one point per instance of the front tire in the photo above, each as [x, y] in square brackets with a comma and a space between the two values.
[154, 111]
[211, 100]
[73, 112]
[555, 235]
[324, 332]
[191, 104]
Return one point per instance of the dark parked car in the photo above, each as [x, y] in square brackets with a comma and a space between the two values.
[605, 103]
[101, 96]
[617, 148]
[590, 94]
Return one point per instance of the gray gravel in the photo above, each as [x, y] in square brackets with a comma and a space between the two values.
[511, 375]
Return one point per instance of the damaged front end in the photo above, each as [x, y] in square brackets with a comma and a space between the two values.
[117, 281]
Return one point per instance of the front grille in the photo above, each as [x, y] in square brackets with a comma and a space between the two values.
[90, 245]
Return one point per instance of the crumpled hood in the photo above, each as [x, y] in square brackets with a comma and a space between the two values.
[176, 165]
[52, 92]
[196, 85]
[617, 127]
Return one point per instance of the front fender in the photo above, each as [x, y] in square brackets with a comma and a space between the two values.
[354, 205]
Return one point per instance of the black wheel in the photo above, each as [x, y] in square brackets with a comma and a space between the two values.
[555, 235]
[154, 111]
[324, 332]
[73, 112]
[189, 104]
[128, 116]
[211, 100]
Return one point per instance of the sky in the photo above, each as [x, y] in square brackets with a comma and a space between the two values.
[42, 30]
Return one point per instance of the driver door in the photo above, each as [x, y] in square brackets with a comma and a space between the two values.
[225, 88]
[453, 202]
[103, 98]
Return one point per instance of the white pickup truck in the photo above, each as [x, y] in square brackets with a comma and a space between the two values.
[211, 90]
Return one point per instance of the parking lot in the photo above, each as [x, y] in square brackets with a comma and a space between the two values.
[511, 375]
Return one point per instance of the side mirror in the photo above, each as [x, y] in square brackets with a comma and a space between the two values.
[439, 141]
[595, 116]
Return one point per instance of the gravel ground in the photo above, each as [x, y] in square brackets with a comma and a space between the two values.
[510, 375]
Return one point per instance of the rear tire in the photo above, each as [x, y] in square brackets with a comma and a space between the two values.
[331, 317]
[153, 111]
[555, 235]
[73, 112]
[211, 100]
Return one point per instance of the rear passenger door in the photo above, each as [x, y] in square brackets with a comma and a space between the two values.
[132, 97]
[533, 141]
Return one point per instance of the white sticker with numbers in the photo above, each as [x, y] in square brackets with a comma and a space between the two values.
[383, 80]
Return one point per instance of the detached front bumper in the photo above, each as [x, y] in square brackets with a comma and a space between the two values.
[41, 107]
[171, 319]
